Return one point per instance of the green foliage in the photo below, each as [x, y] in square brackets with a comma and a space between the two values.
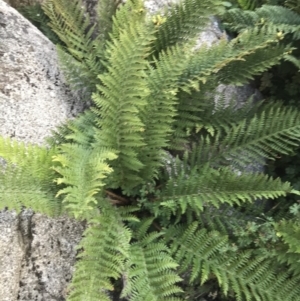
[183, 21]
[38, 18]
[159, 166]
[104, 250]
[82, 174]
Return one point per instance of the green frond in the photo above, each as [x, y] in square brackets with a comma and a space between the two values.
[129, 14]
[120, 99]
[80, 130]
[106, 9]
[236, 62]
[77, 73]
[248, 4]
[183, 20]
[69, 20]
[37, 17]
[268, 134]
[82, 171]
[27, 177]
[20, 188]
[199, 113]
[216, 117]
[33, 159]
[205, 256]
[293, 5]
[160, 111]
[191, 248]
[277, 18]
[71, 23]
[150, 274]
[104, 251]
[289, 231]
[278, 15]
[238, 20]
[197, 188]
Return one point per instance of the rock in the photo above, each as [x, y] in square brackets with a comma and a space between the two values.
[33, 95]
[37, 253]
[37, 256]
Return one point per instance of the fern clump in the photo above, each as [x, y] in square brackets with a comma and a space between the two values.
[158, 231]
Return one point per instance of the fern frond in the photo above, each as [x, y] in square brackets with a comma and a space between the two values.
[34, 159]
[184, 20]
[198, 188]
[283, 18]
[20, 188]
[150, 272]
[188, 245]
[105, 249]
[35, 14]
[278, 15]
[268, 134]
[27, 177]
[235, 62]
[160, 111]
[250, 277]
[80, 130]
[106, 9]
[248, 4]
[251, 53]
[71, 23]
[120, 99]
[128, 14]
[289, 231]
[77, 73]
[82, 171]
[293, 5]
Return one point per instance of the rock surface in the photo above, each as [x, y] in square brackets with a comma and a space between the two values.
[37, 254]
[33, 95]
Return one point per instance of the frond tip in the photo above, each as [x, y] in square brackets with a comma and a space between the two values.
[83, 171]
[151, 272]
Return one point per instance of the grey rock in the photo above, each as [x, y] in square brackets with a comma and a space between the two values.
[37, 256]
[37, 253]
[33, 95]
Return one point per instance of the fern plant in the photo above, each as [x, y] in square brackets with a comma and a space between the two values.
[155, 167]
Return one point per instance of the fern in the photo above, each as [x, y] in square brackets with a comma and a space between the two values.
[247, 276]
[105, 249]
[285, 20]
[158, 227]
[275, 137]
[184, 20]
[82, 172]
[209, 186]
[27, 179]
[37, 16]
[150, 273]
[72, 25]
[122, 93]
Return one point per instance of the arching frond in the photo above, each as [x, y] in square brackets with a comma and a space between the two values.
[151, 271]
[104, 251]
[122, 95]
[82, 171]
[184, 20]
[197, 188]
[205, 256]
